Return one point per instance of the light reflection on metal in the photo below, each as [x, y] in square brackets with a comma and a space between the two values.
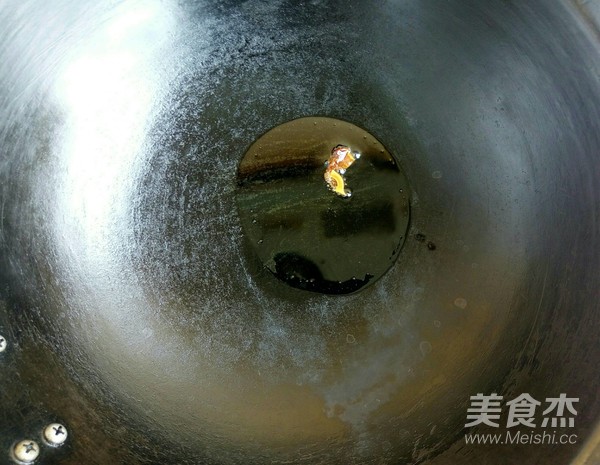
[107, 94]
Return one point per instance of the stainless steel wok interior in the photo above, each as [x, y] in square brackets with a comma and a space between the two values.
[135, 312]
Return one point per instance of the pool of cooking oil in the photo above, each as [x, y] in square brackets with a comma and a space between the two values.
[304, 232]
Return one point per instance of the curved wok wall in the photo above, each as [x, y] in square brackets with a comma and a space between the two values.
[137, 313]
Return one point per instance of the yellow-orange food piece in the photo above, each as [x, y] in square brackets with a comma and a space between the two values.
[340, 160]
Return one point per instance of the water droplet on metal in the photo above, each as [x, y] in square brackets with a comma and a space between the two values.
[460, 303]
[425, 348]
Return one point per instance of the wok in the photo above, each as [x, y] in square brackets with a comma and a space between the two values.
[137, 315]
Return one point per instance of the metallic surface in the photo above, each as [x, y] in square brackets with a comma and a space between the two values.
[55, 434]
[26, 451]
[137, 320]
